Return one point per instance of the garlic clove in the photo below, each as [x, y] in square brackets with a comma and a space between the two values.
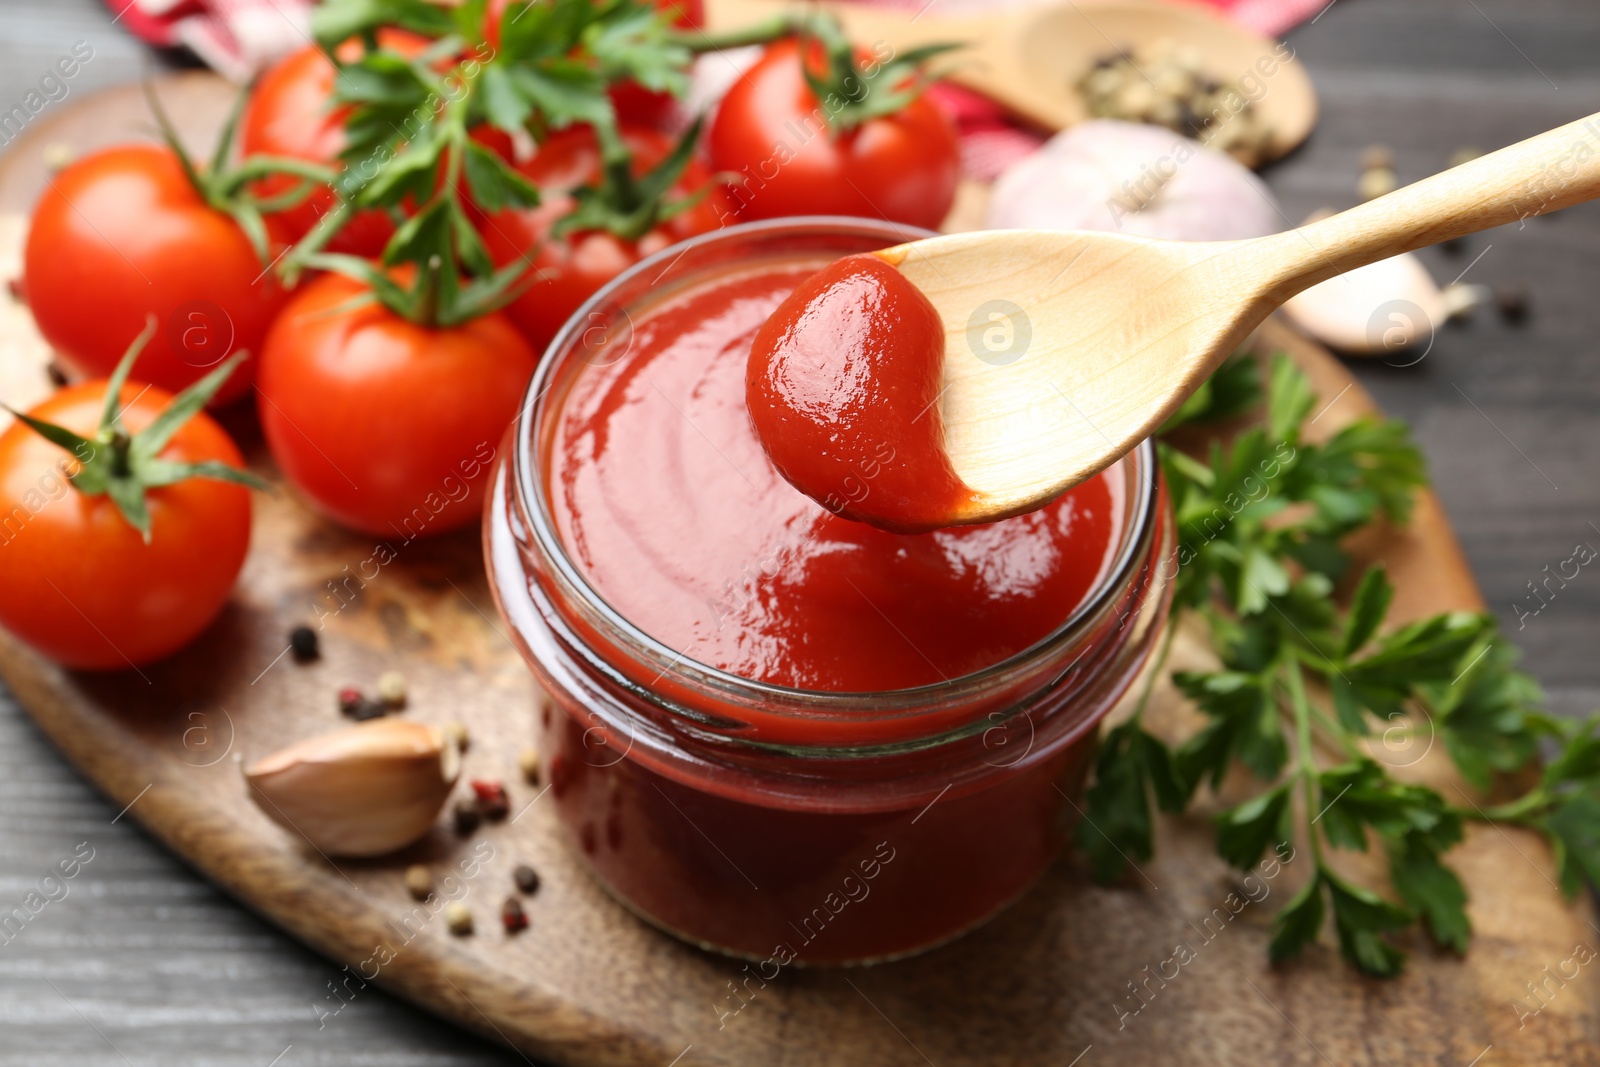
[362, 791]
[1374, 310]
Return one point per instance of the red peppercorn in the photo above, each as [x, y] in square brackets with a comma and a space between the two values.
[492, 800]
[513, 916]
[350, 700]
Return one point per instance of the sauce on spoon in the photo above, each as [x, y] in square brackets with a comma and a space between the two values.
[843, 388]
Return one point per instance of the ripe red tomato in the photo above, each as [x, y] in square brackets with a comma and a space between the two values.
[290, 114]
[770, 130]
[383, 425]
[79, 583]
[122, 234]
[569, 269]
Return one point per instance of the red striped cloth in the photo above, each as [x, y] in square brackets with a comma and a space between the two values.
[236, 38]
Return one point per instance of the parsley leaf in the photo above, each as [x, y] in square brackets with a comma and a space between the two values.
[1117, 826]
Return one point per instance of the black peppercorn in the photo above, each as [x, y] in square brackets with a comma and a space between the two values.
[303, 643]
[526, 877]
[466, 817]
[369, 709]
[1512, 301]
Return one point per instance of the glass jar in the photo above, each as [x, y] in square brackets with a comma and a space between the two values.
[785, 825]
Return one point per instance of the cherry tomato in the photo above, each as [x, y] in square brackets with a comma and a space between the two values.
[770, 130]
[383, 425]
[79, 583]
[122, 234]
[568, 270]
[290, 114]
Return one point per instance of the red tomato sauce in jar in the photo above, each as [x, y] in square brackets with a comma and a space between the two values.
[667, 502]
[776, 731]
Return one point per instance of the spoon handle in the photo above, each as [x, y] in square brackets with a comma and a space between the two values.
[1545, 173]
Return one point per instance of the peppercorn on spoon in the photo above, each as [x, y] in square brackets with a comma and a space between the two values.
[1064, 350]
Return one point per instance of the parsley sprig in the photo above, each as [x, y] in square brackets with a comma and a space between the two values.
[1260, 521]
[409, 152]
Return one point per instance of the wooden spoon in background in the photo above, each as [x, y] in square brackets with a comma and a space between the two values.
[1029, 59]
[1063, 350]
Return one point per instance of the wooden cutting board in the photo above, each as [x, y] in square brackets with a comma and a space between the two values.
[1045, 983]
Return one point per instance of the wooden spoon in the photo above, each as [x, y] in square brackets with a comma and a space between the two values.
[1066, 349]
[1030, 58]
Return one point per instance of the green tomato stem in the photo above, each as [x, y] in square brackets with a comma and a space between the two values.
[254, 168]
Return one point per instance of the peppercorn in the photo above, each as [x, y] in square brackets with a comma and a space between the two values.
[419, 881]
[350, 699]
[1376, 182]
[513, 916]
[1162, 83]
[1512, 302]
[369, 709]
[466, 816]
[526, 877]
[458, 918]
[492, 800]
[303, 644]
[392, 689]
[528, 763]
[1377, 157]
[456, 734]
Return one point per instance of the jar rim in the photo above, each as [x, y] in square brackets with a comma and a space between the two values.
[528, 486]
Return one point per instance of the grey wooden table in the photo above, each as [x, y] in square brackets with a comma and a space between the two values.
[144, 963]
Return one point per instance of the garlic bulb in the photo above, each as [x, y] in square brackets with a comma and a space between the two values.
[362, 791]
[1136, 179]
